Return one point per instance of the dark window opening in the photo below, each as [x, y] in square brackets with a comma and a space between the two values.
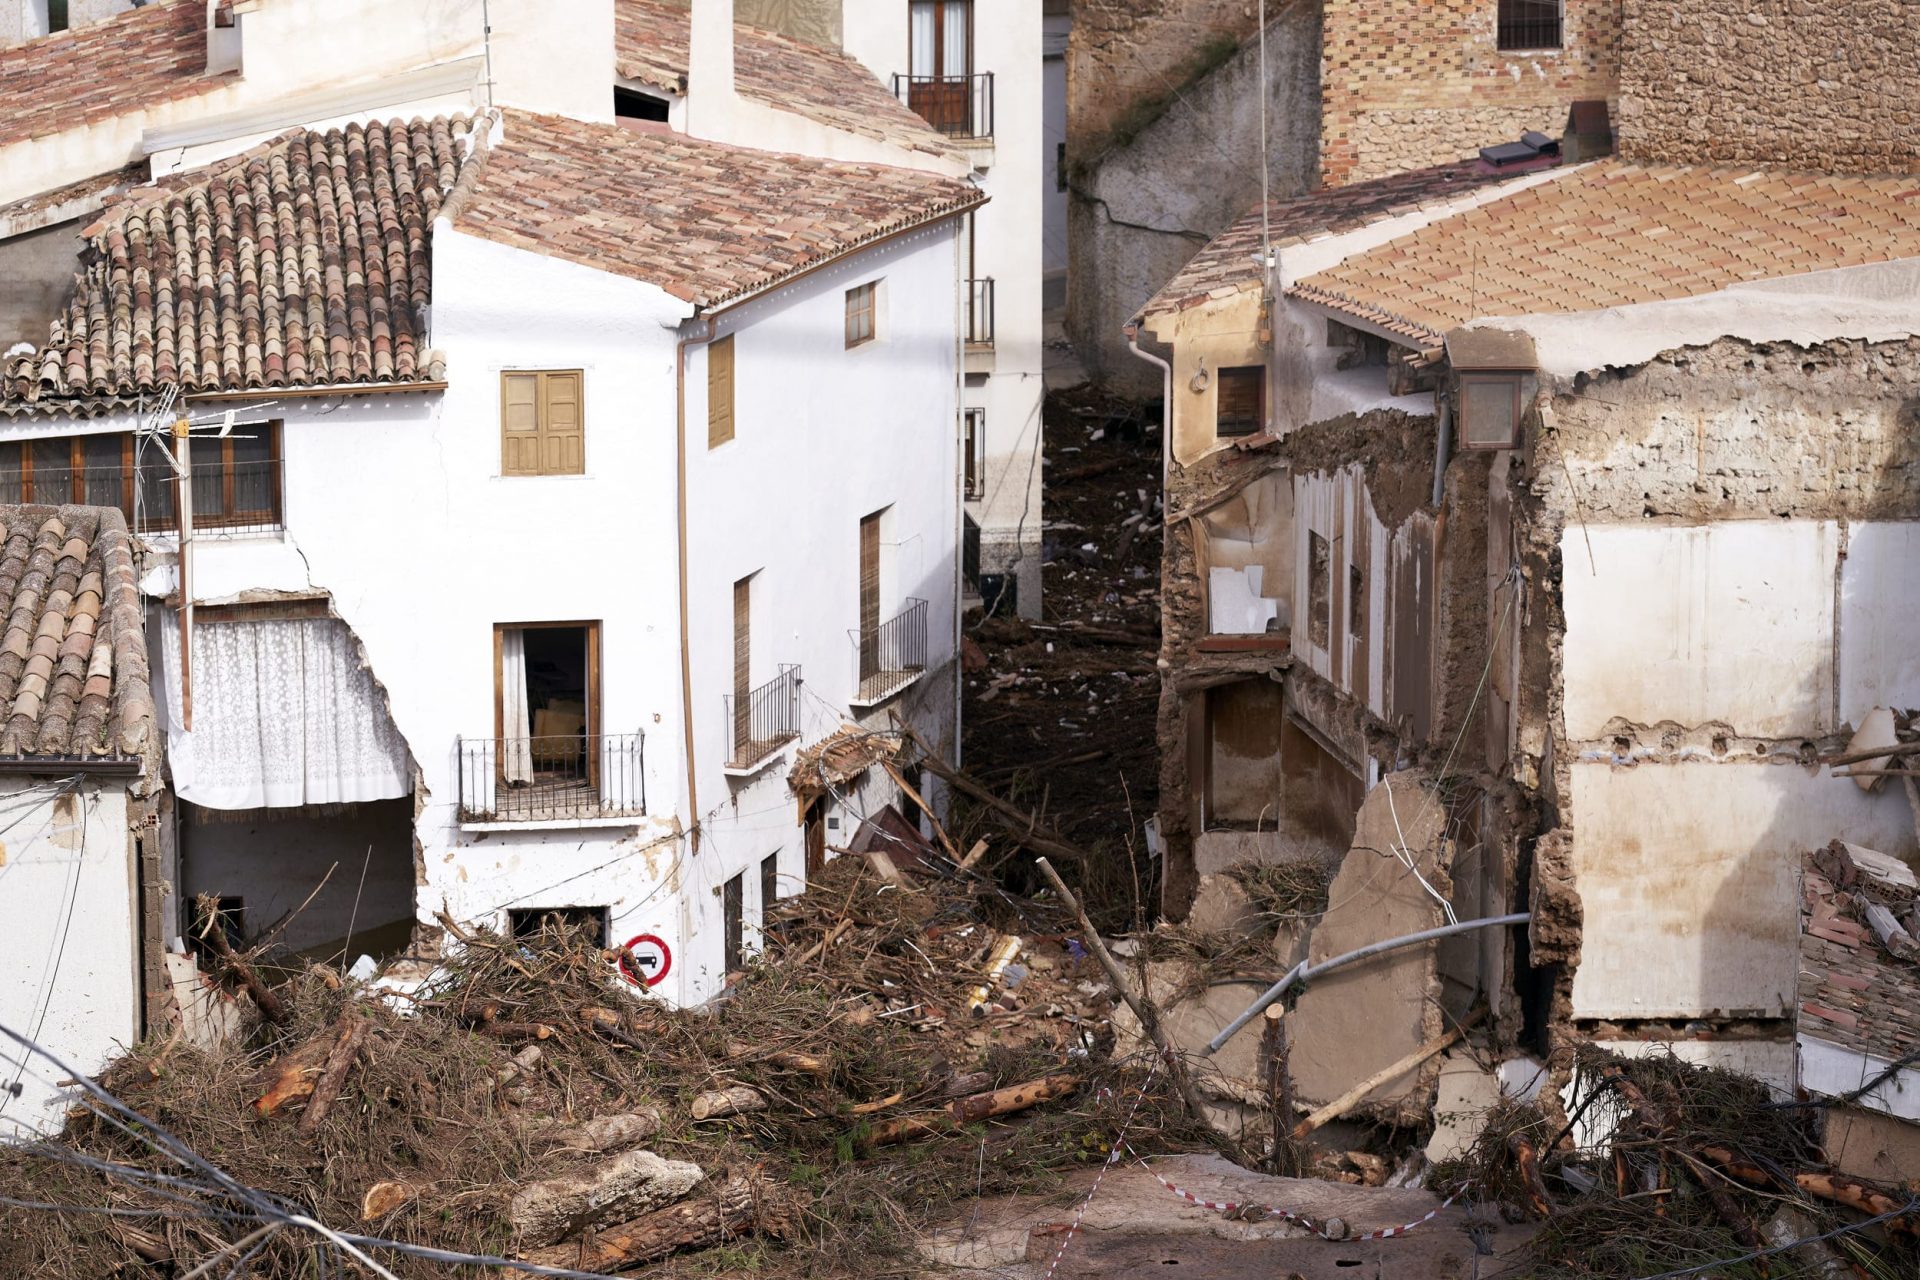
[57, 19]
[1356, 599]
[628, 105]
[974, 463]
[1240, 409]
[556, 676]
[1319, 591]
[769, 884]
[734, 924]
[230, 918]
[1530, 24]
[1059, 166]
[528, 922]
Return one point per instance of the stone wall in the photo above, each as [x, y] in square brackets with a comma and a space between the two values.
[20, 19]
[1139, 211]
[815, 21]
[1809, 84]
[1412, 83]
[36, 278]
[1125, 55]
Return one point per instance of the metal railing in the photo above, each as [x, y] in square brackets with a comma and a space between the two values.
[980, 312]
[891, 655]
[557, 778]
[764, 720]
[228, 500]
[1529, 24]
[958, 106]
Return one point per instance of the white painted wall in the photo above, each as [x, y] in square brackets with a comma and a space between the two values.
[69, 898]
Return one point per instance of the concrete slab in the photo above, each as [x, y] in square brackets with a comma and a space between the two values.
[1193, 1010]
[1221, 905]
[1465, 1094]
[1357, 1020]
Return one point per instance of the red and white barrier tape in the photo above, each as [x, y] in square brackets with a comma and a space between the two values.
[1113, 1158]
[1324, 1230]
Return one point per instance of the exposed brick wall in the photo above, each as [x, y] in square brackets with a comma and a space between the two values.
[1125, 52]
[1411, 83]
[1811, 84]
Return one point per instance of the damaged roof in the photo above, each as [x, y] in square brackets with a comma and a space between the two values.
[1612, 234]
[73, 660]
[134, 59]
[1231, 261]
[1853, 991]
[824, 85]
[303, 262]
[706, 222]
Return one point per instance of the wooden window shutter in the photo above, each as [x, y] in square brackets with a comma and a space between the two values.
[519, 424]
[742, 637]
[1241, 406]
[563, 439]
[719, 391]
[869, 595]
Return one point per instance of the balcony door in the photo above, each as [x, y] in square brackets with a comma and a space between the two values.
[547, 704]
[940, 60]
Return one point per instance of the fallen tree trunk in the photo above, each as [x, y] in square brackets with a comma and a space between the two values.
[743, 1205]
[634, 1182]
[1527, 1160]
[1024, 826]
[271, 1005]
[717, 1104]
[349, 1031]
[976, 1107]
[602, 1133]
[1835, 1187]
[292, 1076]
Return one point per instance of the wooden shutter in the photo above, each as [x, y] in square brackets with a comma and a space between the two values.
[720, 391]
[733, 922]
[563, 439]
[869, 595]
[742, 663]
[519, 424]
[1240, 408]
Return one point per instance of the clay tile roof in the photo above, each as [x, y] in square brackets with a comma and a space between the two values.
[303, 262]
[1853, 992]
[1230, 262]
[824, 85]
[73, 658]
[1614, 234]
[104, 69]
[706, 222]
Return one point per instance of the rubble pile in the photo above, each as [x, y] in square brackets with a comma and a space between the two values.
[1659, 1165]
[904, 1042]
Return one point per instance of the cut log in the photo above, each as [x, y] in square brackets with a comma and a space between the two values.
[349, 1031]
[382, 1198]
[792, 1059]
[743, 1205]
[974, 854]
[518, 1030]
[632, 1183]
[602, 1133]
[970, 1082]
[1835, 1187]
[908, 789]
[610, 1024]
[717, 1104]
[523, 1063]
[878, 1104]
[1018, 1097]
[292, 1077]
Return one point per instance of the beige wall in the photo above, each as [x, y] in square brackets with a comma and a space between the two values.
[1221, 334]
[1826, 86]
[1412, 83]
[1126, 53]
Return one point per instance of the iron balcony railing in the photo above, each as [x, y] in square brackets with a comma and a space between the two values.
[558, 778]
[892, 654]
[762, 721]
[980, 312]
[958, 106]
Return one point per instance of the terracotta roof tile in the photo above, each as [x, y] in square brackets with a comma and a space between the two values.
[303, 262]
[1611, 234]
[73, 662]
[707, 223]
[824, 85]
[1853, 992]
[103, 69]
[1230, 263]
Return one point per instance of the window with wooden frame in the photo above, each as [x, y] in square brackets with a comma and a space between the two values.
[1530, 24]
[742, 665]
[870, 595]
[236, 477]
[1490, 409]
[860, 313]
[542, 431]
[769, 884]
[1240, 404]
[719, 391]
[546, 701]
[974, 463]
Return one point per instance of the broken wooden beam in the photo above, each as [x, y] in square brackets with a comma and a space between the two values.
[973, 1109]
[1526, 1158]
[1351, 1098]
[1025, 827]
[292, 1076]
[214, 935]
[349, 1031]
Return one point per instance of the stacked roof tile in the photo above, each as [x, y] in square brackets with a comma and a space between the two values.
[1231, 261]
[824, 85]
[1613, 234]
[706, 222]
[1853, 992]
[304, 262]
[104, 69]
[73, 663]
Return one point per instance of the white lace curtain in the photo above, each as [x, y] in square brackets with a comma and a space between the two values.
[283, 715]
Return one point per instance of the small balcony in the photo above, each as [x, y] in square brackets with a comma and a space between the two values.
[890, 656]
[958, 106]
[567, 780]
[759, 723]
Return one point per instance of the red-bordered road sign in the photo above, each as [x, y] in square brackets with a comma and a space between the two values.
[654, 957]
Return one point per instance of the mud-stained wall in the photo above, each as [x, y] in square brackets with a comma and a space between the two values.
[1826, 85]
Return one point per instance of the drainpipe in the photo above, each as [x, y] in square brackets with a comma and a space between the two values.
[1166, 402]
[703, 336]
[1442, 447]
[1301, 972]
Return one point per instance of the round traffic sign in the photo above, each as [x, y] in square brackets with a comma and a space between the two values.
[653, 957]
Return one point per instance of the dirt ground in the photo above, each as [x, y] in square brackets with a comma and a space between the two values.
[1059, 714]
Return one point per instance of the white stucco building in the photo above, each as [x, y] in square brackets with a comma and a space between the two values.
[558, 478]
